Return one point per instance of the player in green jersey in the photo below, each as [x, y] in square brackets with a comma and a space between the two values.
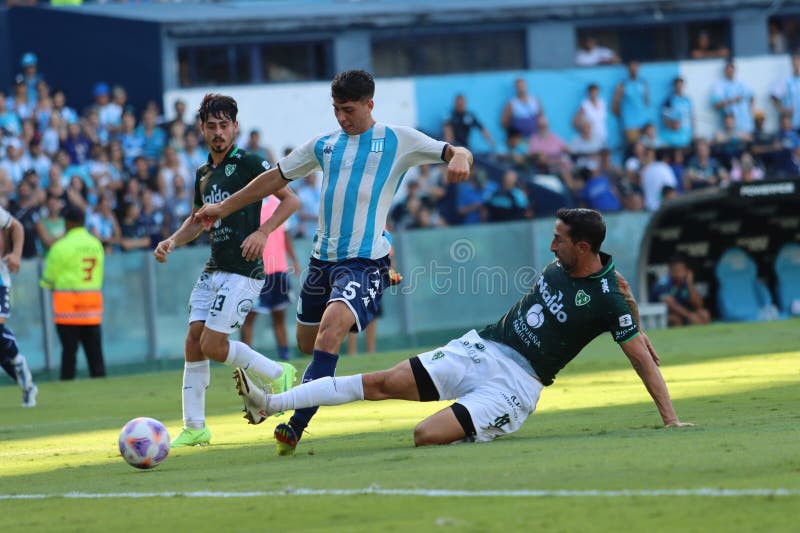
[233, 276]
[497, 374]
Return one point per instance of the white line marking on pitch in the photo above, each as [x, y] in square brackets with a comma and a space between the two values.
[707, 492]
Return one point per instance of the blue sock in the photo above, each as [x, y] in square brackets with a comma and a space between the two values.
[323, 364]
[283, 353]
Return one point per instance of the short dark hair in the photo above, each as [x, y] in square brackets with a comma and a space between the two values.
[218, 106]
[353, 86]
[584, 225]
[678, 257]
[73, 213]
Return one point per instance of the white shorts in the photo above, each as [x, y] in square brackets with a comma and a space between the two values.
[498, 394]
[222, 300]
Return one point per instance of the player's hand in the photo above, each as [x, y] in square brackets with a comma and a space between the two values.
[208, 215]
[395, 277]
[163, 249]
[253, 245]
[650, 348]
[679, 424]
[12, 261]
[458, 168]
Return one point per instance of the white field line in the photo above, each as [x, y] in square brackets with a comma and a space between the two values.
[703, 492]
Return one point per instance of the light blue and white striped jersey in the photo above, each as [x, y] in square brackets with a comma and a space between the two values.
[360, 174]
[742, 112]
[787, 91]
[5, 222]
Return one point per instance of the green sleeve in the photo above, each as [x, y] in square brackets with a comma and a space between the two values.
[255, 165]
[620, 318]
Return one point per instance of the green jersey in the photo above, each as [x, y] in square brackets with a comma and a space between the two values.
[214, 184]
[560, 315]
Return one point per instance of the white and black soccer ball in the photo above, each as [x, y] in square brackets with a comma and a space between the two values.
[144, 442]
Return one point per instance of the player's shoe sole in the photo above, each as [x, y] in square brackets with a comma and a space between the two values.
[285, 439]
[192, 437]
[255, 398]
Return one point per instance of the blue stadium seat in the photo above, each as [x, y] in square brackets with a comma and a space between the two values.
[741, 296]
[787, 270]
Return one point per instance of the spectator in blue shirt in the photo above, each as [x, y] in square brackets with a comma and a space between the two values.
[29, 66]
[786, 94]
[472, 196]
[151, 137]
[509, 202]
[631, 103]
[732, 97]
[677, 117]
[10, 124]
[599, 192]
[677, 290]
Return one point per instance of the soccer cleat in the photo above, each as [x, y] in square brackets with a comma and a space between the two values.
[283, 383]
[254, 397]
[286, 439]
[192, 437]
[29, 396]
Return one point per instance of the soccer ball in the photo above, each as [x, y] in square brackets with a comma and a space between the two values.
[144, 442]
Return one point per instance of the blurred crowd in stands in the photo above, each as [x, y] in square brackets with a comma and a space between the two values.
[132, 170]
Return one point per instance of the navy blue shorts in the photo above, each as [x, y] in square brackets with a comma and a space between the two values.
[274, 294]
[358, 282]
[5, 301]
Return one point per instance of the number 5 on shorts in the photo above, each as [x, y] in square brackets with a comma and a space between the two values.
[349, 291]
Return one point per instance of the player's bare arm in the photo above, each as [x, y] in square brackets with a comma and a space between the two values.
[459, 162]
[625, 289]
[188, 232]
[639, 353]
[14, 257]
[253, 245]
[260, 187]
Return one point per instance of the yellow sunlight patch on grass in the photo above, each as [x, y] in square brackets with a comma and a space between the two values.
[693, 380]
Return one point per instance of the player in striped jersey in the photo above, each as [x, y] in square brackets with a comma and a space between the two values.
[362, 165]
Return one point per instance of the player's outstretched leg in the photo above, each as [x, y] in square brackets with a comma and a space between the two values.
[16, 366]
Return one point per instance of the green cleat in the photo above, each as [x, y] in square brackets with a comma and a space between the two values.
[284, 383]
[286, 439]
[192, 437]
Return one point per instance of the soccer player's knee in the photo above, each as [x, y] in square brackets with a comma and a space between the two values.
[424, 435]
[375, 386]
[211, 348]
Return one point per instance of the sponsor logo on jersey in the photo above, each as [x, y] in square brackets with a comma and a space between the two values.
[581, 298]
[243, 307]
[438, 355]
[230, 169]
[328, 149]
[215, 196]
[625, 321]
[604, 285]
[552, 300]
[377, 145]
[266, 165]
[535, 316]
[470, 348]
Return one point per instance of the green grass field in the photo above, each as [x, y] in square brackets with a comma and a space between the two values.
[595, 430]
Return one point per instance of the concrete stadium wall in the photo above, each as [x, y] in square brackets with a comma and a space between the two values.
[290, 114]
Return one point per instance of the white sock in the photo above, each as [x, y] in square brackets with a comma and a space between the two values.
[322, 391]
[196, 377]
[24, 378]
[243, 356]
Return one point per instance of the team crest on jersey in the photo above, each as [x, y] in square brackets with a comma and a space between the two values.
[581, 298]
[230, 169]
[377, 145]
